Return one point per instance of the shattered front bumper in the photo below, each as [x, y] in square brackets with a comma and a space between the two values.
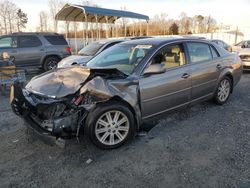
[43, 135]
[22, 106]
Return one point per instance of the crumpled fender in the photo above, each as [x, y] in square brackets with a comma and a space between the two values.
[104, 90]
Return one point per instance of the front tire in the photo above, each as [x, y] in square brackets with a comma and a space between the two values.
[223, 91]
[110, 125]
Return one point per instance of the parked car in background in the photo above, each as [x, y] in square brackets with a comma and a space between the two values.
[88, 52]
[222, 44]
[243, 50]
[243, 44]
[35, 49]
[125, 85]
[91, 50]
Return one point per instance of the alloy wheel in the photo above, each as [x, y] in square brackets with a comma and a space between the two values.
[223, 90]
[112, 127]
[52, 65]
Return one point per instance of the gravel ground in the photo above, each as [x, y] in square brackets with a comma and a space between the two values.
[203, 146]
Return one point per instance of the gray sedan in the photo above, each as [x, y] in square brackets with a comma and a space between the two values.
[125, 86]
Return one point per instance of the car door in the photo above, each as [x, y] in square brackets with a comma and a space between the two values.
[205, 69]
[9, 44]
[30, 50]
[168, 90]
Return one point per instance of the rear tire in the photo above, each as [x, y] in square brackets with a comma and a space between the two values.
[110, 125]
[223, 91]
[50, 63]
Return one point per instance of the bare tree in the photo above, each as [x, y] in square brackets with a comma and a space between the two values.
[4, 15]
[54, 7]
[211, 24]
[184, 23]
[200, 25]
[43, 19]
[11, 17]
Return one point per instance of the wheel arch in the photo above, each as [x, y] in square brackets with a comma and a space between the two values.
[48, 56]
[131, 108]
[229, 74]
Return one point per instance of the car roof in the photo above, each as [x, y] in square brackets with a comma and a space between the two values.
[162, 40]
[33, 33]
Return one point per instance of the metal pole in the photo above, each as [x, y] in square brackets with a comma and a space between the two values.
[133, 28]
[92, 33]
[147, 27]
[236, 35]
[66, 35]
[83, 34]
[125, 30]
[76, 50]
[96, 24]
[116, 32]
[140, 29]
[99, 30]
[107, 34]
[87, 34]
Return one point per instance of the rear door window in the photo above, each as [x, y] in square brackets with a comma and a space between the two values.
[199, 52]
[28, 41]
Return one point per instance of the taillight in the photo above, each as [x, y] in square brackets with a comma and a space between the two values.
[68, 50]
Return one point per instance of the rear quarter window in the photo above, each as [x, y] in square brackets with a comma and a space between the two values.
[56, 40]
[215, 54]
[199, 52]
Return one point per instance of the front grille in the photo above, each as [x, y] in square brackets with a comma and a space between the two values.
[50, 111]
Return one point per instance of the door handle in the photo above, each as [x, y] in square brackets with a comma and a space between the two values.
[42, 50]
[218, 66]
[14, 51]
[185, 75]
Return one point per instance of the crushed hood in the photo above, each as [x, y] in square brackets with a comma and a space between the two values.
[58, 83]
[62, 82]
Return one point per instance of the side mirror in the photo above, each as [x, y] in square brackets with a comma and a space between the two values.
[243, 46]
[155, 69]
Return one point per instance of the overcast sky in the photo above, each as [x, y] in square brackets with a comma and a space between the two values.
[231, 12]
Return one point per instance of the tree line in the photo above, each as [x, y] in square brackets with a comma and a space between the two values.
[12, 18]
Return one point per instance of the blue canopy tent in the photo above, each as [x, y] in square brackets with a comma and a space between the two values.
[80, 13]
[88, 14]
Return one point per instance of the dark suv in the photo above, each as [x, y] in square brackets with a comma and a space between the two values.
[35, 49]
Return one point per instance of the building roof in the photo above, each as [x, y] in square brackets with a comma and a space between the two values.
[77, 13]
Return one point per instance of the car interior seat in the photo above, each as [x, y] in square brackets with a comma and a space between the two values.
[158, 59]
[174, 57]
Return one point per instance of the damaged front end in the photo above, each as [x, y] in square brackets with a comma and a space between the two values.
[56, 104]
[51, 118]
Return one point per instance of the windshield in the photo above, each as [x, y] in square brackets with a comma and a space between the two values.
[91, 49]
[124, 57]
